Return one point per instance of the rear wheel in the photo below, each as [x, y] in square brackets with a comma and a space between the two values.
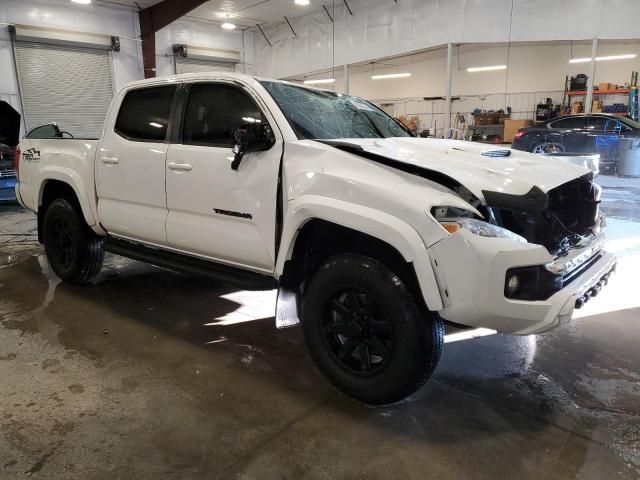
[548, 148]
[366, 333]
[73, 250]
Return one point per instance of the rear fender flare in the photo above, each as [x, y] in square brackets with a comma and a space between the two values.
[71, 178]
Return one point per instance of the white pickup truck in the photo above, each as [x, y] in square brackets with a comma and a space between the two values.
[374, 238]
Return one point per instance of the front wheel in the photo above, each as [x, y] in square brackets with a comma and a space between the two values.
[73, 250]
[366, 333]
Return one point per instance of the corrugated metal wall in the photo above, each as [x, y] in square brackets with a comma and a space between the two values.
[70, 86]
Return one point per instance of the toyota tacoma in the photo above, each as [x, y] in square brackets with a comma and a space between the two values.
[373, 238]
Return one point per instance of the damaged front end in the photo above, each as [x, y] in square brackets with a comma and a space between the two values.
[565, 217]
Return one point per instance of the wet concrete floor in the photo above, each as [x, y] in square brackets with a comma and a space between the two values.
[149, 374]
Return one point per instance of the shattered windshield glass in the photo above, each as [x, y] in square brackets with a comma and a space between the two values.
[317, 114]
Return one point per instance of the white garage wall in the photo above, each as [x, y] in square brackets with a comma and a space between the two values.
[127, 63]
[536, 71]
[200, 35]
[381, 28]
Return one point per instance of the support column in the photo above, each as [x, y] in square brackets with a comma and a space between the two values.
[592, 73]
[447, 103]
[345, 74]
[153, 19]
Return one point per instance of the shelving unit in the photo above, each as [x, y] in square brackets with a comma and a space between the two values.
[621, 91]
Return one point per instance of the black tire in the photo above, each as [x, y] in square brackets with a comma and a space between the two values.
[408, 339]
[73, 250]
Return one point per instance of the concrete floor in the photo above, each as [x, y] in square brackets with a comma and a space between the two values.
[154, 375]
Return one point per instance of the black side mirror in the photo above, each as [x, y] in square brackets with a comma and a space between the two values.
[251, 137]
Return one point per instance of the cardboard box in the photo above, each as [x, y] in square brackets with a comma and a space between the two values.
[605, 86]
[511, 128]
[577, 107]
[596, 106]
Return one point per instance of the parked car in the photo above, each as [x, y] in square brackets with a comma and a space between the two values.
[592, 134]
[7, 174]
[373, 237]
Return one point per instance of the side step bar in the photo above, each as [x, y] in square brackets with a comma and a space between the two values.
[190, 265]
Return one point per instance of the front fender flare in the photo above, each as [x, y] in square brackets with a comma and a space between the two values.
[387, 228]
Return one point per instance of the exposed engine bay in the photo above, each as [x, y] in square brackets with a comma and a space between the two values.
[563, 218]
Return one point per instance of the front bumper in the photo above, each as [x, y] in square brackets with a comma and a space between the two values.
[470, 272]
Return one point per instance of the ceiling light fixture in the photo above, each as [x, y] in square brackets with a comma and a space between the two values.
[82, 2]
[228, 25]
[487, 69]
[390, 75]
[319, 81]
[301, 2]
[604, 59]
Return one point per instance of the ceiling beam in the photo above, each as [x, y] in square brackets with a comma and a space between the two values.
[155, 18]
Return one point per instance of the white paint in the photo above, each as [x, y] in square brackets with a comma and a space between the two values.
[460, 275]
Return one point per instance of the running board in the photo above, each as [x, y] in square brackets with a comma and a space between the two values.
[244, 279]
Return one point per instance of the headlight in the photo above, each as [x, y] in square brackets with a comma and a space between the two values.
[478, 227]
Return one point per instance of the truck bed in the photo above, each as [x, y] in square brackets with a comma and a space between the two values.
[57, 158]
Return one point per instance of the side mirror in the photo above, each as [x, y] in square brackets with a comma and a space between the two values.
[251, 137]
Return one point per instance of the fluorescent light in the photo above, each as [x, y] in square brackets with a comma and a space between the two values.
[604, 59]
[616, 57]
[301, 2]
[82, 2]
[390, 75]
[320, 80]
[228, 26]
[487, 69]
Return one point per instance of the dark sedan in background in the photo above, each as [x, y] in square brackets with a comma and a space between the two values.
[585, 134]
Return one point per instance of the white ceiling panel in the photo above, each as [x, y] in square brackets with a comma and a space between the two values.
[248, 13]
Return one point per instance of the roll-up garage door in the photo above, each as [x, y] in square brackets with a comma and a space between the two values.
[71, 86]
[192, 65]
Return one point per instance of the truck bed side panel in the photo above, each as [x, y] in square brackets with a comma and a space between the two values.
[66, 160]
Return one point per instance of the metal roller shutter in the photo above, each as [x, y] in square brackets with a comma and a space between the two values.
[71, 86]
[191, 65]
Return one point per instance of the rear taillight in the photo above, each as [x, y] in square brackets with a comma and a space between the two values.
[16, 162]
[519, 134]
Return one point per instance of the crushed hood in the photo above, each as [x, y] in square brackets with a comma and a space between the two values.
[463, 161]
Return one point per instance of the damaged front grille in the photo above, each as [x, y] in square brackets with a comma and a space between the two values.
[560, 219]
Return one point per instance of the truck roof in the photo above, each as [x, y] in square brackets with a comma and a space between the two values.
[213, 75]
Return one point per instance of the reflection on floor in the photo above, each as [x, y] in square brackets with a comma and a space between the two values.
[151, 374]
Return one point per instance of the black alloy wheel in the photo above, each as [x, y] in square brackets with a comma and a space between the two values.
[358, 331]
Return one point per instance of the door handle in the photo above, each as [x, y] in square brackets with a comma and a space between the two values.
[179, 167]
[110, 160]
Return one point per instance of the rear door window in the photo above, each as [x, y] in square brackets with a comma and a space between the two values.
[144, 114]
[215, 111]
[50, 130]
[572, 122]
